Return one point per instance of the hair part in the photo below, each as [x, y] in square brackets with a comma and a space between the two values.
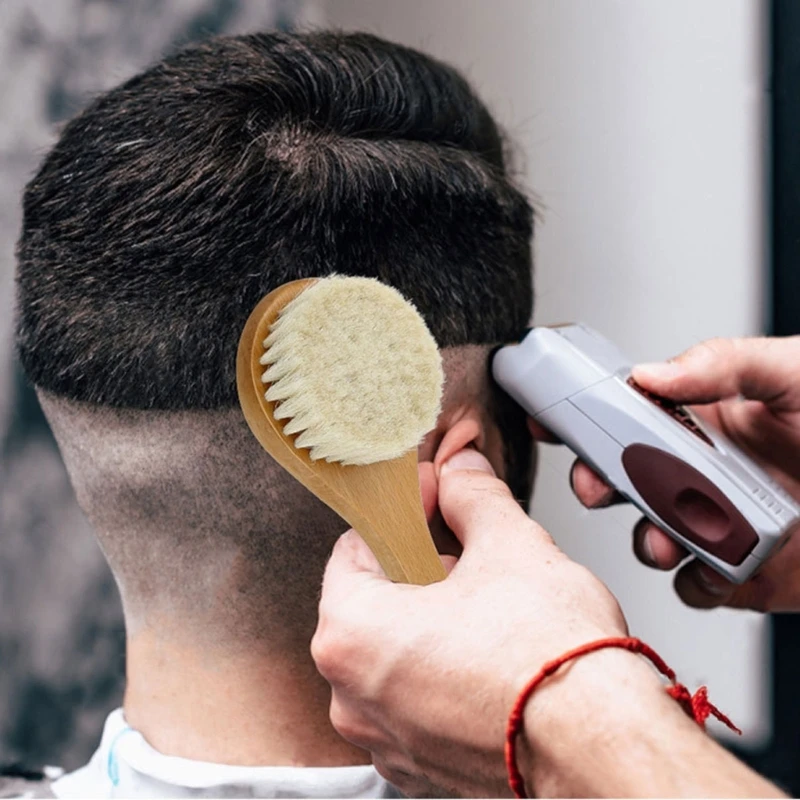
[173, 203]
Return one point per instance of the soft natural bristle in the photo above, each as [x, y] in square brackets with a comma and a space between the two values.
[354, 370]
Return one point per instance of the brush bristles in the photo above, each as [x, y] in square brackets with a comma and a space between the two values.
[354, 370]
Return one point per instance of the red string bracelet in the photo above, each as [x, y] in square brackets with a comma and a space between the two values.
[696, 705]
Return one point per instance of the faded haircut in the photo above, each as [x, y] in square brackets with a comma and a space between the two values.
[174, 202]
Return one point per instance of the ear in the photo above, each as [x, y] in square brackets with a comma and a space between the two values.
[466, 428]
[463, 428]
[464, 432]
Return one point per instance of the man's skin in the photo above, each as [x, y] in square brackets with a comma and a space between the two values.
[464, 648]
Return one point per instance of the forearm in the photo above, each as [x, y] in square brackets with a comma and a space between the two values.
[604, 726]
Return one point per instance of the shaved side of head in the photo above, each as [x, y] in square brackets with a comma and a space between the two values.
[200, 524]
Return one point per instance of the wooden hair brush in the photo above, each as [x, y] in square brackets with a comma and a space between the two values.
[340, 379]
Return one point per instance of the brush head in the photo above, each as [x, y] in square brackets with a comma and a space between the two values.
[354, 371]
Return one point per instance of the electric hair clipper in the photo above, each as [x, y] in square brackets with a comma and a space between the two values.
[685, 476]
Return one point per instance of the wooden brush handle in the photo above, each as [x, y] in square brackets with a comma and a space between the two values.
[392, 522]
[381, 501]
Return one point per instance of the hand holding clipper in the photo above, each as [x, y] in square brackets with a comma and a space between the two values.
[685, 476]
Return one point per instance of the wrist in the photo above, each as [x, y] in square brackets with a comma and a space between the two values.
[581, 719]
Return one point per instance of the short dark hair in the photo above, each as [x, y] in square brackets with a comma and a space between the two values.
[174, 202]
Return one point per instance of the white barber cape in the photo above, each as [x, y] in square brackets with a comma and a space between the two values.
[125, 765]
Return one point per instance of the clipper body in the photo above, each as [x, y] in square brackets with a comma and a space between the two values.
[686, 477]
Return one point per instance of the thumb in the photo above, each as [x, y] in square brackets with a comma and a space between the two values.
[351, 563]
[758, 368]
[475, 504]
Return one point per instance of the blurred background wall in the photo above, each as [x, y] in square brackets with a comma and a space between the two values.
[640, 129]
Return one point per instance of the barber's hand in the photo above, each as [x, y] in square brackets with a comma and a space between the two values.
[425, 677]
[750, 390]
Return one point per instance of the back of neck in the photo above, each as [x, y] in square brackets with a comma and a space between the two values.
[243, 706]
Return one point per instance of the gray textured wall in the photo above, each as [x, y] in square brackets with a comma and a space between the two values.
[61, 633]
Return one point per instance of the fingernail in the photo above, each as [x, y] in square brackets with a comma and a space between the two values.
[647, 551]
[662, 370]
[468, 459]
[709, 581]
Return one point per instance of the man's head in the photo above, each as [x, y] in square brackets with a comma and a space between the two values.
[168, 208]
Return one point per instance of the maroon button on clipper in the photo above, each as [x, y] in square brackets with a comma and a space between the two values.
[689, 503]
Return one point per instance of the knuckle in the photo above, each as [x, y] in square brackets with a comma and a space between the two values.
[595, 594]
[336, 713]
[747, 348]
[351, 725]
[543, 536]
[318, 648]
[711, 350]
[487, 486]
[719, 345]
[341, 718]
[481, 492]
[332, 655]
